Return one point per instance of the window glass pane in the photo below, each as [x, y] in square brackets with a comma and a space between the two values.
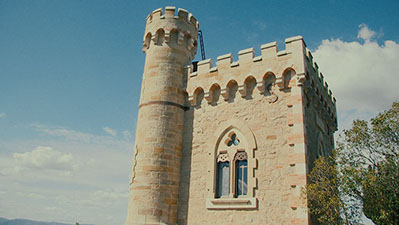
[234, 140]
[241, 177]
[245, 179]
[219, 180]
[226, 179]
[223, 179]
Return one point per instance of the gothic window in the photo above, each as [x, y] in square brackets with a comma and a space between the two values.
[238, 170]
[233, 179]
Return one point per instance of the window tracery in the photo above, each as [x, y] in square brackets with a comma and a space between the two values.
[233, 180]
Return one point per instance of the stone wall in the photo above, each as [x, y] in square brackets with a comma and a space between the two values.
[274, 117]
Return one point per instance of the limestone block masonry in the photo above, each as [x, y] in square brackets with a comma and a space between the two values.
[225, 144]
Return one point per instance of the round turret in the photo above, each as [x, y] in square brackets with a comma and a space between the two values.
[176, 31]
[170, 43]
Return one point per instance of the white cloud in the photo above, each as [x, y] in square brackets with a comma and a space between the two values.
[64, 132]
[110, 131]
[45, 158]
[80, 137]
[365, 33]
[363, 77]
[32, 176]
[2, 114]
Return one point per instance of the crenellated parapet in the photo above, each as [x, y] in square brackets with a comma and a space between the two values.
[274, 70]
[318, 92]
[167, 27]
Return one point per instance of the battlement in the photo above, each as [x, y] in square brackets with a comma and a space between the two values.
[290, 67]
[225, 62]
[164, 27]
[170, 12]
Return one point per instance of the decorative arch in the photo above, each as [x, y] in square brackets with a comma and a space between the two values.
[214, 93]
[173, 36]
[159, 37]
[229, 93]
[246, 90]
[288, 74]
[147, 41]
[196, 99]
[269, 80]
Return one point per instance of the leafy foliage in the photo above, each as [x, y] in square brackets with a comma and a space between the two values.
[364, 174]
[369, 165]
[322, 191]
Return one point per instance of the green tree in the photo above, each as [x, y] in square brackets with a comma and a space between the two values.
[380, 193]
[364, 174]
[369, 164]
[322, 192]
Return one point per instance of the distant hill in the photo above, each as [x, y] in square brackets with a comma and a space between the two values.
[4, 221]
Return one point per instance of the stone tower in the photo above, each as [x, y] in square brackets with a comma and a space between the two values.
[230, 143]
[170, 43]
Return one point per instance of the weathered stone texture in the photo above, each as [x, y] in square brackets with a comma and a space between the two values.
[277, 103]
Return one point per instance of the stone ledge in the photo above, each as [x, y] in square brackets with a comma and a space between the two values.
[231, 203]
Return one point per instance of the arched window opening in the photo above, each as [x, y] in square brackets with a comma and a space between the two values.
[250, 84]
[232, 89]
[160, 37]
[147, 41]
[215, 92]
[174, 35]
[241, 176]
[270, 80]
[232, 178]
[288, 74]
[199, 96]
[234, 164]
[223, 176]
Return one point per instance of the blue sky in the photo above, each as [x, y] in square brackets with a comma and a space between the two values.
[70, 75]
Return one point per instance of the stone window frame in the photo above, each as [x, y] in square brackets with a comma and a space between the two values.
[217, 145]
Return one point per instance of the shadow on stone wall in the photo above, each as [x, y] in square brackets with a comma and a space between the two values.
[185, 169]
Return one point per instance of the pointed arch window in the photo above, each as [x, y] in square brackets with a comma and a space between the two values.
[237, 171]
[234, 179]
